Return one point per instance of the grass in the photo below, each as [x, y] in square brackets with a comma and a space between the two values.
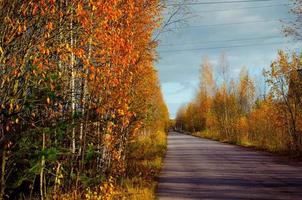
[144, 161]
[145, 157]
[244, 142]
[206, 134]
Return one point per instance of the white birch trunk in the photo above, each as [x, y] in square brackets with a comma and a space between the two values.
[72, 84]
[42, 168]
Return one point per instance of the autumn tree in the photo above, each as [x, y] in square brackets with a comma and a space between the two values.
[246, 92]
[207, 89]
[283, 78]
[71, 93]
[234, 114]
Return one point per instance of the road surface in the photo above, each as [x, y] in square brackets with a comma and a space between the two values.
[197, 168]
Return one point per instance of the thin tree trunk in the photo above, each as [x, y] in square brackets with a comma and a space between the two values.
[98, 145]
[72, 84]
[85, 93]
[57, 180]
[42, 168]
[60, 31]
[3, 174]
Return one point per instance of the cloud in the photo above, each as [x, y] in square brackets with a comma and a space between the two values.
[179, 71]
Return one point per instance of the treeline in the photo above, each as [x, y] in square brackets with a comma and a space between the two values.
[235, 111]
[77, 83]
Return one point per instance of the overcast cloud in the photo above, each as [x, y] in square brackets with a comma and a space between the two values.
[252, 25]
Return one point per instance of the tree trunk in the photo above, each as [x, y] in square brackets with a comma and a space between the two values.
[3, 174]
[42, 168]
[72, 84]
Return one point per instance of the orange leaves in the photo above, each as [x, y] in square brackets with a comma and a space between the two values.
[80, 53]
[87, 65]
[91, 77]
[35, 9]
[43, 50]
[79, 9]
[92, 69]
[115, 81]
[49, 26]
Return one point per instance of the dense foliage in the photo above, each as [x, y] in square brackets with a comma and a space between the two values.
[77, 84]
[232, 111]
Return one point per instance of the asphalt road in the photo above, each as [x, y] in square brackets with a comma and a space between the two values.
[197, 168]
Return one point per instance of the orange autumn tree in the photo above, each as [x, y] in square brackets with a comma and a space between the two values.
[285, 80]
[236, 114]
[125, 52]
[71, 96]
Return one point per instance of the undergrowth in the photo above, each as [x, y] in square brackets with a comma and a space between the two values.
[144, 161]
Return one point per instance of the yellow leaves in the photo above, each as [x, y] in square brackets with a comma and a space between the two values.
[89, 195]
[11, 107]
[120, 112]
[111, 60]
[79, 9]
[19, 29]
[107, 189]
[17, 107]
[68, 48]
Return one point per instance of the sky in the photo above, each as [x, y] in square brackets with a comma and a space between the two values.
[249, 33]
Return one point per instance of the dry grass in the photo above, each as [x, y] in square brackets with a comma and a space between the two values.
[243, 141]
[144, 162]
[144, 165]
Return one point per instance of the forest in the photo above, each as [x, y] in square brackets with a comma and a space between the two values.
[263, 112]
[242, 112]
[82, 114]
[80, 99]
